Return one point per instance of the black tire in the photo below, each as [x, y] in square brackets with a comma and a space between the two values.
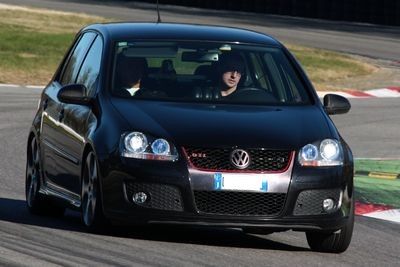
[37, 203]
[333, 242]
[91, 199]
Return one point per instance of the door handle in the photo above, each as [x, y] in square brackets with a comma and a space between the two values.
[61, 115]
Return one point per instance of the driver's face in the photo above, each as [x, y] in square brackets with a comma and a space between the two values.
[231, 78]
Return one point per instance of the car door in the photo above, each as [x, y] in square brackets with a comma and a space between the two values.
[53, 148]
[79, 118]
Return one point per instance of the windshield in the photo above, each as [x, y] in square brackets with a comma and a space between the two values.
[205, 72]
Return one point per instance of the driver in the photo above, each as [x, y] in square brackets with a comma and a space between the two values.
[130, 71]
[231, 67]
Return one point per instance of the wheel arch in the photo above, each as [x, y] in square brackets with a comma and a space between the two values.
[32, 134]
[89, 147]
[28, 146]
[86, 149]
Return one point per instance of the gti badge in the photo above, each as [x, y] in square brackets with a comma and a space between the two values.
[240, 158]
[198, 155]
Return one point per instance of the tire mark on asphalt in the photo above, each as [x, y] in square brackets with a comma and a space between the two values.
[34, 236]
[66, 255]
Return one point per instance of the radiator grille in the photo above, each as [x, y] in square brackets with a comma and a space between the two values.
[220, 159]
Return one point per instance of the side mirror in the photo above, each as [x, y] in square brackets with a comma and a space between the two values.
[336, 104]
[74, 94]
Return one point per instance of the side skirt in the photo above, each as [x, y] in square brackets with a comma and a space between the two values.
[53, 190]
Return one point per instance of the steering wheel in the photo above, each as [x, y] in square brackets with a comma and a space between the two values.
[250, 89]
[253, 94]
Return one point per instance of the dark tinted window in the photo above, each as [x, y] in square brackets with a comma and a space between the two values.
[210, 71]
[91, 66]
[71, 69]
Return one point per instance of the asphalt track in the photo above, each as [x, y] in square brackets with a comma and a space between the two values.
[27, 240]
[371, 128]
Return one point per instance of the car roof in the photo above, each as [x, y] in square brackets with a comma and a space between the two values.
[177, 31]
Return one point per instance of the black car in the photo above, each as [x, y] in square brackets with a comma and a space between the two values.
[187, 124]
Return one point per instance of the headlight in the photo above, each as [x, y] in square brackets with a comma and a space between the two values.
[329, 149]
[329, 153]
[136, 142]
[140, 146]
[160, 147]
[309, 152]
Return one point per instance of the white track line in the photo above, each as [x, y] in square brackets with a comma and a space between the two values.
[387, 215]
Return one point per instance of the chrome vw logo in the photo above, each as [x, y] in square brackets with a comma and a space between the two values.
[240, 158]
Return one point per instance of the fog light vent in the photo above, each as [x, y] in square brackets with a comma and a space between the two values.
[328, 205]
[317, 201]
[154, 196]
[139, 197]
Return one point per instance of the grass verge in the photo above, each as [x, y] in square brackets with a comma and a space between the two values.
[324, 67]
[33, 42]
[377, 191]
[389, 166]
[374, 189]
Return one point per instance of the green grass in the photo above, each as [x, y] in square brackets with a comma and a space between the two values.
[35, 55]
[324, 66]
[390, 166]
[30, 58]
[377, 191]
[33, 43]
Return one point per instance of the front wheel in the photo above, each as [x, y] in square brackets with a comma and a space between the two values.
[91, 205]
[334, 242]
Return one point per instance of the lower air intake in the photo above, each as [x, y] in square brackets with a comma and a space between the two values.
[161, 197]
[239, 203]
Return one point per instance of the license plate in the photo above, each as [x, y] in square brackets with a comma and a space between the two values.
[240, 182]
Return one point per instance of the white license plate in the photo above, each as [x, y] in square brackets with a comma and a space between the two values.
[240, 182]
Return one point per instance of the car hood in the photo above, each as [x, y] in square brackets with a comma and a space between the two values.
[210, 125]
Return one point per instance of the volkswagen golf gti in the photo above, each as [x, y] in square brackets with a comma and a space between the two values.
[157, 123]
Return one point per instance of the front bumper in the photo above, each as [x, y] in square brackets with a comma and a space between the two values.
[173, 199]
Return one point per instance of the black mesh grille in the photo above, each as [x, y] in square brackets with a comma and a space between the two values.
[220, 159]
[162, 197]
[239, 203]
[310, 202]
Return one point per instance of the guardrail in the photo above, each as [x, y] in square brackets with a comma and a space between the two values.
[371, 11]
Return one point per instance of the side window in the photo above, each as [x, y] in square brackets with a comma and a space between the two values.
[290, 88]
[91, 67]
[72, 67]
